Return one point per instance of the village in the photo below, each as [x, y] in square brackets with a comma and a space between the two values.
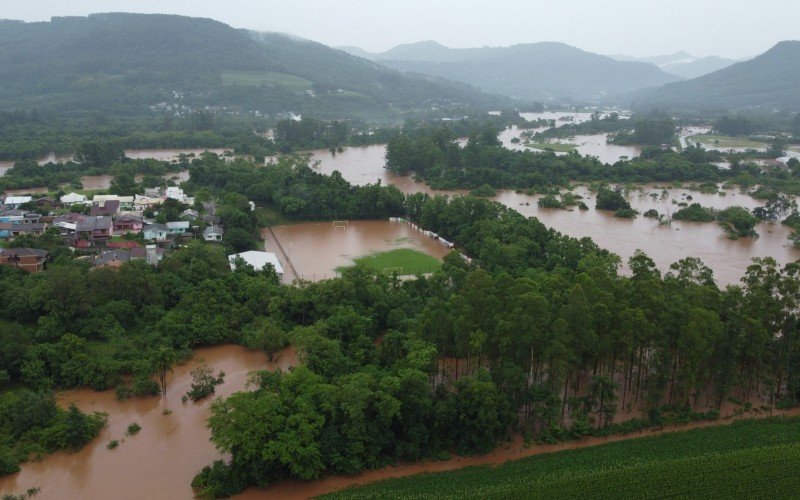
[109, 229]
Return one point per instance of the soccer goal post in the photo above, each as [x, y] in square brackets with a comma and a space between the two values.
[389, 271]
[340, 224]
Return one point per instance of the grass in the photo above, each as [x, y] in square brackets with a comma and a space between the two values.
[724, 141]
[558, 147]
[746, 459]
[258, 78]
[411, 261]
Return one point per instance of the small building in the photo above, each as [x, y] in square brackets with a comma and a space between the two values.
[104, 208]
[153, 192]
[128, 224]
[176, 193]
[14, 229]
[93, 229]
[27, 259]
[178, 227]
[258, 260]
[111, 258]
[142, 203]
[73, 199]
[213, 233]
[14, 202]
[190, 214]
[46, 202]
[155, 232]
[150, 254]
[210, 219]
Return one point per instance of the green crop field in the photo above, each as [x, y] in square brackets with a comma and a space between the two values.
[747, 459]
[411, 261]
[257, 78]
[724, 141]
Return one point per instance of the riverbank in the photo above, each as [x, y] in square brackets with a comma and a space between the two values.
[515, 450]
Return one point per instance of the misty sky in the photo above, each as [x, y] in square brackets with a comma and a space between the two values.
[729, 28]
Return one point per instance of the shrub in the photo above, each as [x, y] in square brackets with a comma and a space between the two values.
[134, 429]
[112, 444]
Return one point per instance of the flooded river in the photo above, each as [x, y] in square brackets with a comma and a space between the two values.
[161, 460]
[665, 244]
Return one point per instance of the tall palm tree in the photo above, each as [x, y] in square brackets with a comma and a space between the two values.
[162, 362]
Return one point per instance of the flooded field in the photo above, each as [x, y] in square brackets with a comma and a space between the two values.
[161, 460]
[171, 155]
[314, 250]
[665, 244]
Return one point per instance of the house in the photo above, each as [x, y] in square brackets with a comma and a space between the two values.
[15, 201]
[72, 199]
[125, 202]
[141, 203]
[17, 216]
[151, 254]
[178, 227]
[176, 193]
[94, 229]
[190, 214]
[210, 219]
[28, 259]
[111, 258]
[153, 192]
[213, 233]
[128, 224]
[258, 260]
[104, 208]
[14, 229]
[157, 232]
[47, 202]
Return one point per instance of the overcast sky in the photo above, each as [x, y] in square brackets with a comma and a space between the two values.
[730, 28]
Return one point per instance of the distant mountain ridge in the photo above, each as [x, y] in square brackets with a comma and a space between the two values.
[534, 71]
[683, 64]
[125, 63]
[768, 81]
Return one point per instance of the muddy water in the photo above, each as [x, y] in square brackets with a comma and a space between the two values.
[665, 244]
[168, 154]
[161, 460]
[316, 249]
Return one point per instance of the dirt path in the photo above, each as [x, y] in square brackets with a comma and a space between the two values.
[514, 450]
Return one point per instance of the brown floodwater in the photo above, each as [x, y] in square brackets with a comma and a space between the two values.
[314, 250]
[169, 154]
[665, 244]
[158, 462]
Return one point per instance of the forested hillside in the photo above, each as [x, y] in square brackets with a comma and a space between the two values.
[769, 81]
[124, 63]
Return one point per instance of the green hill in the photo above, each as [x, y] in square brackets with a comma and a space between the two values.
[769, 81]
[535, 71]
[126, 63]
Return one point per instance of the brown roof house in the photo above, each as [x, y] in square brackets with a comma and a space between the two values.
[28, 259]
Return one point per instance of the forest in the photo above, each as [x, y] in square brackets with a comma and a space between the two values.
[431, 153]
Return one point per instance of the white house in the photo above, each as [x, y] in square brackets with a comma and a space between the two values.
[177, 193]
[213, 233]
[73, 199]
[141, 203]
[157, 232]
[15, 201]
[258, 260]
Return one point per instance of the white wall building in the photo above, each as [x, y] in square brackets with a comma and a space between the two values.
[258, 260]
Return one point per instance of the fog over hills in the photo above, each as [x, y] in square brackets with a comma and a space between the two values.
[768, 81]
[534, 71]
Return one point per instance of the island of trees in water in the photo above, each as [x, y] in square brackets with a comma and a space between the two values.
[539, 335]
